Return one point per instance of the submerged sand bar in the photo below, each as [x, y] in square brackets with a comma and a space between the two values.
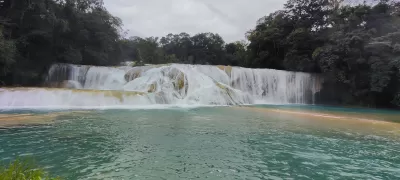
[11, 120]
[365, 123]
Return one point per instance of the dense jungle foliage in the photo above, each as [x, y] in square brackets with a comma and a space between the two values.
[355, 47]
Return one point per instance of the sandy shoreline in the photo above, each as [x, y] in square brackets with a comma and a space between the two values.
[334, 115]
[10, 120]
[342, 121]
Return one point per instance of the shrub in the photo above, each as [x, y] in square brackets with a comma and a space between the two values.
[24, 169]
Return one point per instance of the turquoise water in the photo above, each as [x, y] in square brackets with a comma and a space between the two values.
[200, 143]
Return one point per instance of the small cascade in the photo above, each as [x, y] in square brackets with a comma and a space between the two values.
[104, 78]
[275, 86]
[173, 84]
[59, 73]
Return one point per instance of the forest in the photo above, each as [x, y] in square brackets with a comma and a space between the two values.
[356, 48]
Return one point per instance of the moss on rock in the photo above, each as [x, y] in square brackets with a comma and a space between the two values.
[153, 88]
[227, 69]
[133, 74]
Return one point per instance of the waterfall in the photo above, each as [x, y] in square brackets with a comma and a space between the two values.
[169, 84]
[275, 86]
[59, 73]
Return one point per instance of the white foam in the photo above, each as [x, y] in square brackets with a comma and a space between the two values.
[164, 86]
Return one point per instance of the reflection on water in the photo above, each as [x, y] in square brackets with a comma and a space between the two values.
[208, 143]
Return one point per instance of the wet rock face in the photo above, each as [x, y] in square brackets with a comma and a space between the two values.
[133, 74]
[227, 69]
[152, 88]
[178, 78]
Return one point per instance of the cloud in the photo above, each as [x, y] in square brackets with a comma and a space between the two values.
[229, 18]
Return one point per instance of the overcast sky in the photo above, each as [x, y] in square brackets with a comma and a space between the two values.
[229, 18]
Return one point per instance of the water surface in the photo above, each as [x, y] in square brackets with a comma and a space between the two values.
[209, 143]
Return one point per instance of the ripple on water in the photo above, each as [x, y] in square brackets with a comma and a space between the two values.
[219, 143]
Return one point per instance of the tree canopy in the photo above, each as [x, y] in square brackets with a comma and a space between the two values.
[41, 32]
[354, 47]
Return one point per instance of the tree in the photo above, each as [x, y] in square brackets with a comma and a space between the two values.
[354, 47]
[178, 45]
[358, 61]
[49, 31]
[207, 49]
[7, 55]
[236, 53]
[266, 48]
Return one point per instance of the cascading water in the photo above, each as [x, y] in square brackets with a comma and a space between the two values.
[274, 86]
[174, 84]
